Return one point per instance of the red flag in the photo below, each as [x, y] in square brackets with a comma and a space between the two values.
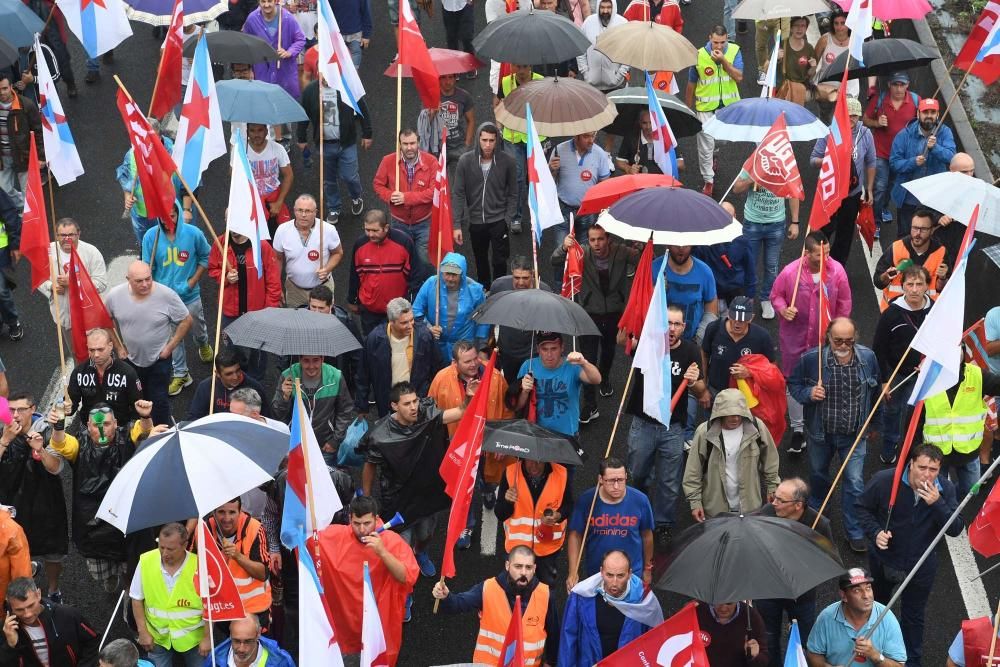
[512, 651]
[638, 299]
[974, 341]
[866, 224]
[772, 164]
[34, 222]
[86, 309]
[676, 641]
[989, 69]
[461, 464]
[834, 180]
[824, 299]
[153, 163]
[214, 576]
[904, 452]
[167, 90]
[413, 52]
[984, 533]
[440, 242]
[573, 271]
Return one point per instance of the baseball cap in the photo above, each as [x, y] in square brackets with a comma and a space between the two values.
[929, 104]
[450, 267]
[741, 309]
[853, 577]
[898, 77]
[547, 337]
[853, 106]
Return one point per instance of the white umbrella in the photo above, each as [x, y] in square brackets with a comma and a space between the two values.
[760, 10]
[956, 195]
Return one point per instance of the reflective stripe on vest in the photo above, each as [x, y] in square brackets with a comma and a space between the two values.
[3, 235]
[172, 617]
[507, 84]
[524, 527]
[255, 594]
[715, 87]
[895, 287]
[957, 426]
[496, 616]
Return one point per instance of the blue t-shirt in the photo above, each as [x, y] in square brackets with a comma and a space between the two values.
[616, 526]
[176, 261]
[558, 393]
[577, 174]
[992, 325]
[833, 637]
[689, 291]
[957, 649]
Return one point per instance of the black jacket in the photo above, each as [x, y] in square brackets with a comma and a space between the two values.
[376, 370]
[236, 15]
[348, 130]
[94, 469]
[119, 387]
[896, 327]
[10, 216]
[71, 640]
[482, 200]
[23, 119]
[203, 394]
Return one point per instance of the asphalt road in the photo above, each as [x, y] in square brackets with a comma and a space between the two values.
[95, 201]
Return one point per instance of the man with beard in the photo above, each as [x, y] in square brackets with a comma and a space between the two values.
[595, 67]
[494, 599]
[391, 567]
[405, 181]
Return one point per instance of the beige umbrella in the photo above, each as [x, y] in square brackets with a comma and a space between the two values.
[560, 107]
[648, 46]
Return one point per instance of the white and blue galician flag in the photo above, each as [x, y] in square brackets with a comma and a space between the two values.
[199, 129]
[60, 149]
[335, 62]
[543, 200]
[100, 25]
[771, 75]
[373, 647]
[652, 354]
[991, 45]
[794, 655]
[664, 142]
[245, 214]
[859, 20]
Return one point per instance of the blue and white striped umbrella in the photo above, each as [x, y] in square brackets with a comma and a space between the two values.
[188, 471]
[750, 119]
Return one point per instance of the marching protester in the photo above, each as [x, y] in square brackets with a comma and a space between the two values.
[516, 345]
[228, 378]
[384, 266]
[446, 302]
[297, 247]
[44, 632]
[68, 240]
[920, 247]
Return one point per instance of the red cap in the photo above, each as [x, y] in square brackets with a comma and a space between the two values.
[928, 104]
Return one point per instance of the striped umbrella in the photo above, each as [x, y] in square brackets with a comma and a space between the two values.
[190, 470]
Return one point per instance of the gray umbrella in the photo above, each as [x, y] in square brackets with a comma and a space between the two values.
[632, 101]
[292, 331]
[257, 102]
[534, 37]
[536, 310]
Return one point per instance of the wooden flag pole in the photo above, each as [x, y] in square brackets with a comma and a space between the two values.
[218, 316]
[59, 331]
[822, 305]
[798, 274]
[399, 116]
[303, 425]
[321, 212]
[937, 128]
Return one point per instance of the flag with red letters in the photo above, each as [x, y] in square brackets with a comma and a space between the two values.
[676, 641]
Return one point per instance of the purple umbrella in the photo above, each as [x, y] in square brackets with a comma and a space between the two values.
[674, 216]
[158, 12]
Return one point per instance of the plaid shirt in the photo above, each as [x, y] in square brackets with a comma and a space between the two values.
[841, 410]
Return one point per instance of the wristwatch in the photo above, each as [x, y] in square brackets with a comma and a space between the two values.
[881, 659]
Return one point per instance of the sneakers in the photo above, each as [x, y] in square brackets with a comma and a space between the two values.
[307, 158]
[797, 444]
[762, 78]
[464, 540]
[661, 538]
[15, 331]
[708, 189]
[408, 614]
[205, 353]
[587, 416]
[766, 310]
[888, 460]
[687, 445]
[426, 566]
[333, 217]
[177, 384]
[515, 226]
[857, 545]
[357, 206]
[607, 389]
[92, 76]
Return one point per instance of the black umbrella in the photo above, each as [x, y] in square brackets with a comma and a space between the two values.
[527, 440]
[731, 558]
[8, 53]
[534, 37]
[294, 331]
[536, 310]
[630, 102]
[229, 46]
[882, 57]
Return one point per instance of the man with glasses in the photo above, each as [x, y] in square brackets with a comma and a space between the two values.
[886, 115]
[247, 648]
[297, 247]
[790, 502]
[835, 407]
[620, 518]
[68, 238]
[104, 379]
[921, 248]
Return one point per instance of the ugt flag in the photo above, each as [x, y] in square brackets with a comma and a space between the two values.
[214, 580]
[335, 62]
[543, 201]
[167, 90]
[834, 180]
[676, 641]
[60, 149]
[199, 130]
[652, 354]
[86, 309]
[245, 214]
[153, 165]
[664, 142]
[100, 25]
[984, 533]
[988, 68]
[772, 164]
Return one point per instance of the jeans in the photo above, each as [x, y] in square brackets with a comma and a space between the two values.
[728, 6]
[141, 225]
[965, 476]
[254, 362]
[651, 442]
[154, 380]
[483, 238]
[895, 418]
[8, 311]
[765, 238]
[520, 154]
[588, 345]
[841, 228]
[802, 610]
[459, 27]
[13, 182]
[880, 204]
[355, 48]
[821, 450]
[199, 332]
[912, 602]
[420, 234]
[161, 657]
[341, 161]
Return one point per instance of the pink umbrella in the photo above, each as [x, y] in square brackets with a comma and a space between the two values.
[446, 61]
[890, 10]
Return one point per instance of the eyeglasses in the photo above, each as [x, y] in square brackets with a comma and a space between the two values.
[68, 236]
[842, 341]
[617, 481]
[920, 229]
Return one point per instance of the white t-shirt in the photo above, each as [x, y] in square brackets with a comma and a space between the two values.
[302, 259]
[266, 166]
[135, 589]
[39, 643]
[731, 440]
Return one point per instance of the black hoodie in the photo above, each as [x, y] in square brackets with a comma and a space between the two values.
[483, 199]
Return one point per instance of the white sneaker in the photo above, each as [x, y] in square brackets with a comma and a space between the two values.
[762, 78]
[766, 310]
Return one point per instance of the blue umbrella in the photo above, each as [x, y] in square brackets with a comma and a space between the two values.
[159, 12]
[190, 470]
[750, 119]
[18, 24]
[257, 102]
[693, 219]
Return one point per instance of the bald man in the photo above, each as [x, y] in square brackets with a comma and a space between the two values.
[948, 234]
[246, 648]
[153, 321]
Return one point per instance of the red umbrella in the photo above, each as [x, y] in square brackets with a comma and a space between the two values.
[446, 61]
[606, 193]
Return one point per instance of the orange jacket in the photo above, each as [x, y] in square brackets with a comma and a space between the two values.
[15, 560]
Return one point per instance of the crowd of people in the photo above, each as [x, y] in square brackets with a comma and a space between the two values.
[580, 559]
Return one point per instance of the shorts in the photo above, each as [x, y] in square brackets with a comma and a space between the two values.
[102, 569]
[51, 558]
[394, 11]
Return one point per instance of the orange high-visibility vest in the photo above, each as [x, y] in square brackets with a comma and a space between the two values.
[496, 616]
[256, 594]
[524, 527]
[895, 287]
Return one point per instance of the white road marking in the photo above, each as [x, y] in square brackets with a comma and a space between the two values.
[488, 533]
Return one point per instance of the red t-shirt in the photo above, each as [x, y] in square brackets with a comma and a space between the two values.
[310, 63]
[898, 119]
